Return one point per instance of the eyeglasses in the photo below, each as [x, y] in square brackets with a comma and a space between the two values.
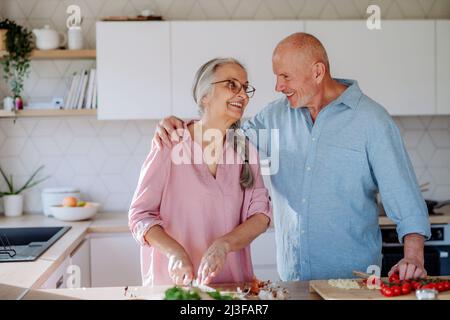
[236, 87]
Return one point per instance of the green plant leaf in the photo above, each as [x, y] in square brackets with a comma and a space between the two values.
[28, 184]
[12, 183]
[32, 184]
[10, 187]
[16, 64]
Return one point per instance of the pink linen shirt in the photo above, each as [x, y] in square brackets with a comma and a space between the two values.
[194, 208]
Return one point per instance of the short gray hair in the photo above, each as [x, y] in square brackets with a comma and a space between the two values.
[202, 87]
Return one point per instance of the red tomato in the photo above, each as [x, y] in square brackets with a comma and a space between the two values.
[396, 290]
[394, 278]
[447, 285]
[406, 288]
[429, 286]
[387, 292]
[440, 286]
[415, 285]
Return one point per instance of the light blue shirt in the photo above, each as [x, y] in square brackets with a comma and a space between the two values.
[323, 195]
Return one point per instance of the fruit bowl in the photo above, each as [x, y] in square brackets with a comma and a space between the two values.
[75, 213]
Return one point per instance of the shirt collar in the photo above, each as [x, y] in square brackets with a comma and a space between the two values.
[351, 96]
[187, 136]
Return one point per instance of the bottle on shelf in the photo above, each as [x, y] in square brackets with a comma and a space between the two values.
[18, 103]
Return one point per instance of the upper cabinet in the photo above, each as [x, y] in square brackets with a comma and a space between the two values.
[146, 69]
[251, 42]
[394, 65]
[443, 66]
[133, 63]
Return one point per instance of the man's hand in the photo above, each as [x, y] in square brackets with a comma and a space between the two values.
[180, 268]
[165, 130]
[212, 261]
[412, 265]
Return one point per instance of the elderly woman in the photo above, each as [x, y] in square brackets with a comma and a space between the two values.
[196, 219]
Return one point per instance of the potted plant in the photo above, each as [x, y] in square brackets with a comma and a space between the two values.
[16, 63]
[13, 199]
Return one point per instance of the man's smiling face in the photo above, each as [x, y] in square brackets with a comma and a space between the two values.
[294, 76]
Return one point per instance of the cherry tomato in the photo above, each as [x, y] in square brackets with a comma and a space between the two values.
[387, 292]
[447, 285]
[415, 285]
[440, 286]
[429, 286]
[406, 288]
[394, 278]
[396, 290]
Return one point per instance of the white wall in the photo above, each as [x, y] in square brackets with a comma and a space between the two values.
[103, 158]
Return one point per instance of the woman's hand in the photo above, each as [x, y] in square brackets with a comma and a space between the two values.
[212, 261]
[180, 268]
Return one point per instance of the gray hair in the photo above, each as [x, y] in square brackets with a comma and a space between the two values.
[202, 87]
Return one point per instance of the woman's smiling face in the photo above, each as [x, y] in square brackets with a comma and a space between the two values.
[224, 101]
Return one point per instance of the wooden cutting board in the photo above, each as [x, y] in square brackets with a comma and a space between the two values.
[328, 292]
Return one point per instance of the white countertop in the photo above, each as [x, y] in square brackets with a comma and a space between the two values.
[32, 274]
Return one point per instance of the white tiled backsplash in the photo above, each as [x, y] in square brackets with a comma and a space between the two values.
[103, 158]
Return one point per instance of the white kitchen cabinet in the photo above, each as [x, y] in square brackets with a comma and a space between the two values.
[76, 265]
[443, 66]
[80, 261]
[58, 278]
[394, 65]
[133, 67]
[251, 42]
[115, 260]
[264, 256]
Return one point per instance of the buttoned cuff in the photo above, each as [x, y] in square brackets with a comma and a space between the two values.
[414, 224]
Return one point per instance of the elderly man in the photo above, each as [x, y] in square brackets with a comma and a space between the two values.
[337, 149]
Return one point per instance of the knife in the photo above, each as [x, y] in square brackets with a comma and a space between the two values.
[361, 274]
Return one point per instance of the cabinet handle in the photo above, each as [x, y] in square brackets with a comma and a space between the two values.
[60, 282]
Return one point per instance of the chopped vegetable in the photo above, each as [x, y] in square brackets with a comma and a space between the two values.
[177, 293]
[218, 296]
[344, 283]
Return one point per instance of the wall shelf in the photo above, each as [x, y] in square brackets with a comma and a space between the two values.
[6, 114]
[60, 54]
[48, 113]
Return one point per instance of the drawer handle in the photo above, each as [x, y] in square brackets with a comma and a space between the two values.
[60, 282]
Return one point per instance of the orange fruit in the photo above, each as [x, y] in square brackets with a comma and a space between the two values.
[70, 202]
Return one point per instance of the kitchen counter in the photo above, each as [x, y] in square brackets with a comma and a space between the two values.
[31, 275]
[16, 278]
[298, 290]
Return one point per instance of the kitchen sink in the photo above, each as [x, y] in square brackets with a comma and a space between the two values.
[27, 244]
